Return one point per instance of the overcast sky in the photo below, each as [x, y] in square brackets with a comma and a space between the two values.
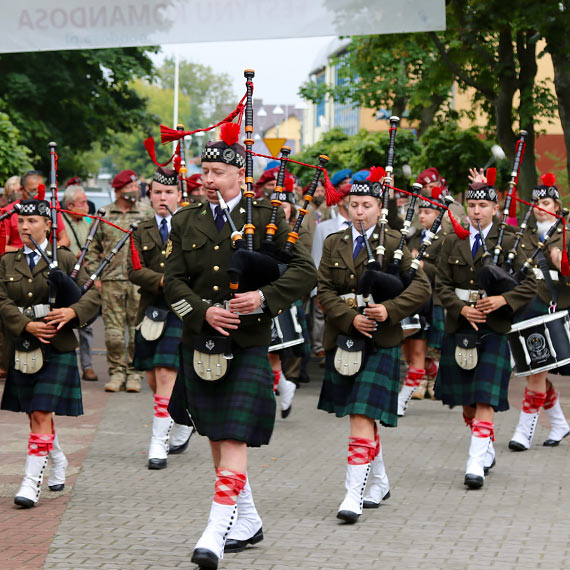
[281, 66]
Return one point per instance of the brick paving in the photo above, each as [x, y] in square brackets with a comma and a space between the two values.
[120, 515]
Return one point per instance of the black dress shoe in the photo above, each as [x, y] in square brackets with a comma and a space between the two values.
[474, 481]
[205, 559]
[372, 504]
[486, 469]
[285, 413]
[59, 487]
[233, 545]
[554, 442]
[24, 502]
[157, 463]
[176, 449]
[347, 516]
[516, 446]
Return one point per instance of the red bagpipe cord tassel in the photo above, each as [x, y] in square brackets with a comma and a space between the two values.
[41, 195]
[565, 264]
[361, 450]
[40, 444]
[331, 194]
[459, 230]
[136, 260]
[229, 485]
[3, 236]
[533, 401]
[480, 428]
[149, 145]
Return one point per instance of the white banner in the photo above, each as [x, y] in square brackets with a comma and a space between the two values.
[40, 25]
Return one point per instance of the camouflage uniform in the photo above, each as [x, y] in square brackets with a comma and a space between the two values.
[120, 296]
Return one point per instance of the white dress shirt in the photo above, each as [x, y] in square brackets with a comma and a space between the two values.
[231, 204]
[474, 231]
[160, 218]
[37, 255]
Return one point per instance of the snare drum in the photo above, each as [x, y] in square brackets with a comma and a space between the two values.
[411, 325]
[540, 344]
[286, 330]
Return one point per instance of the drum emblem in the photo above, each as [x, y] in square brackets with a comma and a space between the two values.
[210, 344]
[537, 349]
[349, 343]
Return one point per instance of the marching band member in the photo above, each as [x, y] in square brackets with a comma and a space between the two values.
[540, 392]
[475, 365]
[422, 368]
[237, 410]
[43, 378]
[369, 392]
[158, 329]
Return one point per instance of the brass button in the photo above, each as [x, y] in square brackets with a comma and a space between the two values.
[426, 255]
[522, 245]
[215, 288]
[163, 252]
[216, 247]
[193, 245]
[471, 268]
[258, 319]
[457, 261]
[336, 263]
[353, 290]
[279, 311]
[216, 268]
[471, 281]
[351, 276]
[11, 279]
[30, 280]
[145, 247]
[30, 294]
[161, 264]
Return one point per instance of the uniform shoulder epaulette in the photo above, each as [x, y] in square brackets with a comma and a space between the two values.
[64, 247]
[188, 208]
[262, 203]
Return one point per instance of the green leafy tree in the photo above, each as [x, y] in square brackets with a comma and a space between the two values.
[357, 152]
[14, 157]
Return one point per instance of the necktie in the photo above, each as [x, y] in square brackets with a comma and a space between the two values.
[358, 247]
[163, 231]
[31, 261]
[476, 245]
[423, 235]
[219, 219]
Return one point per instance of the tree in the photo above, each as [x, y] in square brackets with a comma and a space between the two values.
[75, 98]
[14, 157]
[357, 152]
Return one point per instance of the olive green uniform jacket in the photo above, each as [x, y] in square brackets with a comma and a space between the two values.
[339, 274]
[528, 244]
[196, 271]
[152, 253]
[456, 268]
[20, 287]
[106, 237]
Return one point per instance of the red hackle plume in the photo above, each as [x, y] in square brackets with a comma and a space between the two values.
[436, 192]
[135, 259]
[229, 133]
[289, 184]
[377, 173]
[491, 175]
[459, 230]
[41, 195]
[149, 145]
[548, 179]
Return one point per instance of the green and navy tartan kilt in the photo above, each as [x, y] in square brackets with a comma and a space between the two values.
[537, 308]
[487, 383]
[433, 335]
[55, 388]
[372, 392]
[240, 406]
[162, 352]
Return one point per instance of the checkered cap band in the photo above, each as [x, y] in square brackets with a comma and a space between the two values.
[34, 208]
[221, 152]
[482, 192]
[541, 192]
[366, 188]
[167, 177]
[426, 204]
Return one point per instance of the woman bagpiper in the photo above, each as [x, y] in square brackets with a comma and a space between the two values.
[43, 378]
[157, 338]
[423, 349]
[540, 392]
[368, 393]
[475, 367]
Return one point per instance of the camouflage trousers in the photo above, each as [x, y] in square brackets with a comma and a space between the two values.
[120, 306]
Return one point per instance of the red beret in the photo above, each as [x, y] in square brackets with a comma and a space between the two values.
[195, 181]
[344, 190]
[123, 178]
[428, 176]
[268, 175]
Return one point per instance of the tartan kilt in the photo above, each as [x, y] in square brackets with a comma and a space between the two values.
[433, 335]
[487, 383]
[240, 406]
[55, 388]
[537, 308]
[373, 392]
[162, 352]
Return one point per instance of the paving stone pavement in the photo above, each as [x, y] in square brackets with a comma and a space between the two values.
[121, 515]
